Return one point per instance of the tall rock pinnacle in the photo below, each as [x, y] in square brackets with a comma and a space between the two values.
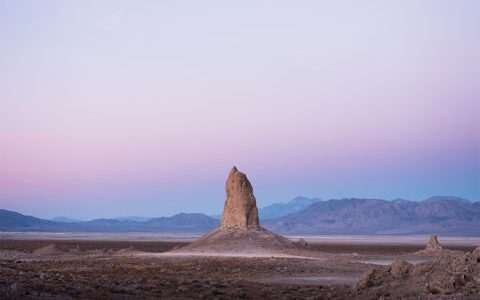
[240, 211]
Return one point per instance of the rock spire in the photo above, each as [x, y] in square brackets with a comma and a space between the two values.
[240, 210]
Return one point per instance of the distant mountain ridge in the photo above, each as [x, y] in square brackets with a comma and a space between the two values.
[134, 218]
[281, 209]
[10, 220]
[62, 219]
[187, 223]
[439, 215]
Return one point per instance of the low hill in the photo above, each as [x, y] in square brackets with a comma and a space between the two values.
[188, 223]
[14, 221]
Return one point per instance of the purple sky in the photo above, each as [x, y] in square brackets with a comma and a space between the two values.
[111, 108]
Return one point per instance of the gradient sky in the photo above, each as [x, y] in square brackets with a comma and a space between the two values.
[114, 108]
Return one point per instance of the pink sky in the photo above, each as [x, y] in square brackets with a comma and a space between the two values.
[142, 108]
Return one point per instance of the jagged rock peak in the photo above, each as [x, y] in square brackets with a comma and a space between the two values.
[433, 244]
[240, 210]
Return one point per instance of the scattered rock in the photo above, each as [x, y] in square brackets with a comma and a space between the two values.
[10, 254]
[126, 251]
[400, 269]
[182, 289]
[370, 278]
[17, 288]
[216, 292]
[476, 254]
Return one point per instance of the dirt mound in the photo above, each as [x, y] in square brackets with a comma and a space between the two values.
[51, 249]
[448, 274]
[244, 241]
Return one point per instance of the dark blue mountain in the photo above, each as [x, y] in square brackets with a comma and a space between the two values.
[436, 215]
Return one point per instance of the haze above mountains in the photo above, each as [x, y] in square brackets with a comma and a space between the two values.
[309, 216]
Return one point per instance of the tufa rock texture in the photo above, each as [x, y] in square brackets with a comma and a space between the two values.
[240, 230]
[455, 274]
[240, 211]
[433, 244]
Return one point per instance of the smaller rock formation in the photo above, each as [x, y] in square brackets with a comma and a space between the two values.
[378, 275]
[450, 273]
[370, 278]
[433, 244]
[303, 242]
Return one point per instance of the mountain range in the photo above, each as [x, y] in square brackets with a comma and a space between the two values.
[189, 223]
[306, 216]
[440, 215]
[280, 209]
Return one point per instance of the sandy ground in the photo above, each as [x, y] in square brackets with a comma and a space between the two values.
[93, 266]
[129, 236]
[189, 237]
[224, 254]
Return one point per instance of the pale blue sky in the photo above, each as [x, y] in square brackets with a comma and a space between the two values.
[114, 108]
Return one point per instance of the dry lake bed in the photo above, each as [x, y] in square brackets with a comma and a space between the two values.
[92, 266]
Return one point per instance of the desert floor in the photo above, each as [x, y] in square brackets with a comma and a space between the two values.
[124, 266]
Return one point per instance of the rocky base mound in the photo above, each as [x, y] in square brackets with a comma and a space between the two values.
[260, 241]
[454, 275]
